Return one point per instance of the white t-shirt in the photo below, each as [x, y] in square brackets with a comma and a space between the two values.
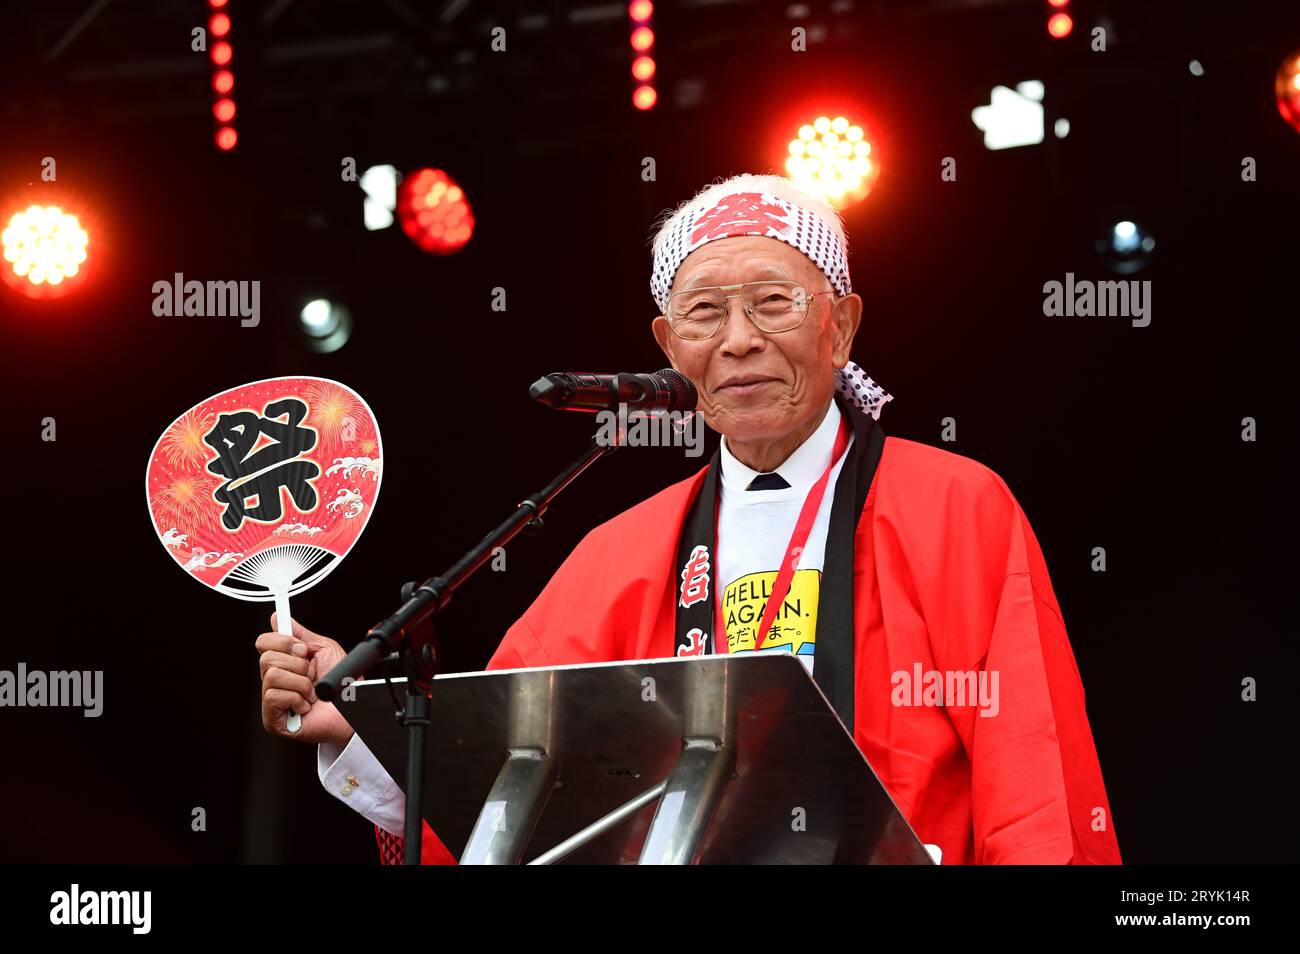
[754, 528]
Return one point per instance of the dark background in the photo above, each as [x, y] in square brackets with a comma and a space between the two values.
[1109, 435]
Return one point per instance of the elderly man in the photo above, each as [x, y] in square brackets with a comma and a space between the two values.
[887, 567]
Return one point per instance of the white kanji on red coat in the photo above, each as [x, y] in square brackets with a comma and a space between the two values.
[695, 577]
[696, 641]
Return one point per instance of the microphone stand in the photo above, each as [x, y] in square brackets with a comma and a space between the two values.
[419, 655]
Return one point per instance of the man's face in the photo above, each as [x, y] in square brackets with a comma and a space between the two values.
[753, 385]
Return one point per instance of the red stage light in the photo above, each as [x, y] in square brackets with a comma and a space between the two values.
[832, 158]
[434, 212]
[642, 39]
[1060, 25]
[644, 97]
[643, 67]
[223, 80]
[44, 249]
[1287, 87]
[1058, 3]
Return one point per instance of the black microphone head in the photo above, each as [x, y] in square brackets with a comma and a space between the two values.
[685, 396]
[546, 390]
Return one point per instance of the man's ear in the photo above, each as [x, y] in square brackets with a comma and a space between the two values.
[667, 340]
[846, 315]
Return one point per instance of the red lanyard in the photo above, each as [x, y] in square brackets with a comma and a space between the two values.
[802, 527]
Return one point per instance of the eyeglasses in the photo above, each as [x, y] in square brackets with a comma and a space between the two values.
[774, 307]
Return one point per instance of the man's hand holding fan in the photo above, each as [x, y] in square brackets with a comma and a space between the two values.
[290, 666]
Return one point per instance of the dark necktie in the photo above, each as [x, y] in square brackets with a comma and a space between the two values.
[768, 482]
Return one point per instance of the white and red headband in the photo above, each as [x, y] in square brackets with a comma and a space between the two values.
[749, 213]
[762, 213]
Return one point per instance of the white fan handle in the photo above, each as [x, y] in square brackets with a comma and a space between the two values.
[284, 624]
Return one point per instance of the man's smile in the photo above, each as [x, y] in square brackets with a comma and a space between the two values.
[742, 384]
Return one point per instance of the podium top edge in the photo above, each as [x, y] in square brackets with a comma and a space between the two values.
[605, 664]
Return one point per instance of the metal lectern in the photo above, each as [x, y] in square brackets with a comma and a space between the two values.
[713, 759]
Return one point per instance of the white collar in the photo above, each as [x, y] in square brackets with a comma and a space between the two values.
[800, 470]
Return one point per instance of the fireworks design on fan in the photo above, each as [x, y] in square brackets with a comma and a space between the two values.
[182, 444]
[335, 413]
[184, 501]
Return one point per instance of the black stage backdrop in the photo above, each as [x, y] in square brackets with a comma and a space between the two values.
[1110, 435]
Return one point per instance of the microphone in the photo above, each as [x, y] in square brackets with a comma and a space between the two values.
[664, 390]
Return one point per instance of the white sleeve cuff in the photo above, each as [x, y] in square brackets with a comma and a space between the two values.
[354, 776]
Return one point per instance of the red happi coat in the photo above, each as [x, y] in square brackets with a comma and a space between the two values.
[948, 574]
